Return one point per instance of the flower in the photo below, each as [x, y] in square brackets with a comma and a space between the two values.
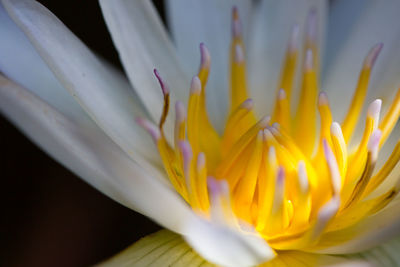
[272, 198]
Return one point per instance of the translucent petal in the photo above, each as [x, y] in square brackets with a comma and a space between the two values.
[102, 92]
[226, 246]
[20, 62]
[354, 27]
[88, 152]
[162, 248]
[143, 44]
[165, 248]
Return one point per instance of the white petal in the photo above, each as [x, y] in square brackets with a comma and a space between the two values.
[386, 254]
[370, 232]
[354, 27]
[20, 62]
[165, 248]
[143, 45]
[271, 30]
[226, 246]
[103, 93]
[162, 248]
[89, 153]
[207, 21]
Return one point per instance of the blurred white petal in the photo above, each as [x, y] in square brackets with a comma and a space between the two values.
[386, 254]
[20, 62]
[89, 153]
[354, 27]
[366, 234]
[143, 44]
[165, 248]
[162, 248]
[224, 245]
[103, 93]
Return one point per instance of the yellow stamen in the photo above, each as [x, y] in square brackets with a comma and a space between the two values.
[339, 148]
[193, 130]
[289, 67]
[353, 114]
[239, 146]
[209, 138]
[306, 114]
[237, 117]
[180, 124]
[245, 189]
[369, 167]
[201, 182]
[294, 185]
[282, 110]
[266, 186]
[279, 218]
[358, 158]
[391, 118]
[238, 70]
[385, 170]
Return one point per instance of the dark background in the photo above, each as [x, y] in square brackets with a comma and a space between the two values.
[49, 216]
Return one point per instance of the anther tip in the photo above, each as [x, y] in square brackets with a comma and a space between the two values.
[373, 143]
[163, 85]
[179, 111]
[309, 60]
[327, 149]
[217, 187]
[301, 166]
[336, 130]
[157, 74]
[267, 135]
[213, 185]
[149, 127]
[235, 12]
[260, 134]
[373, 55]
[313, 11]
[186, 150]
[271, 152]
[323, 99]
[281, 94]
[302, 173]
[195, 86]
[374, 109]
[205, 58]
[275, 126]
[248, 104]
[139, 120]
[280, 175]
[312, 24]
[265, 121]
[236, 24]
[201, 160]
[329, 209]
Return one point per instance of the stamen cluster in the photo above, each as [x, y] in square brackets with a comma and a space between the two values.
[292, 183]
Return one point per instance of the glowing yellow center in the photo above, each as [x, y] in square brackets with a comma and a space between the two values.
[277, 173]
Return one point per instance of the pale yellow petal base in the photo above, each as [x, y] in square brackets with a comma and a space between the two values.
[165, 248]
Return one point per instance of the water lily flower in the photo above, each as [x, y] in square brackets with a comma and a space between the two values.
[273, 152]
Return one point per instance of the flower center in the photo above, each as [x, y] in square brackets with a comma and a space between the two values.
[281, 175]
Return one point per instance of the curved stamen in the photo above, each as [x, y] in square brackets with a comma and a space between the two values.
[353, 113]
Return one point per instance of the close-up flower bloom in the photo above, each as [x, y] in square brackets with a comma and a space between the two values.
[256, 132]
